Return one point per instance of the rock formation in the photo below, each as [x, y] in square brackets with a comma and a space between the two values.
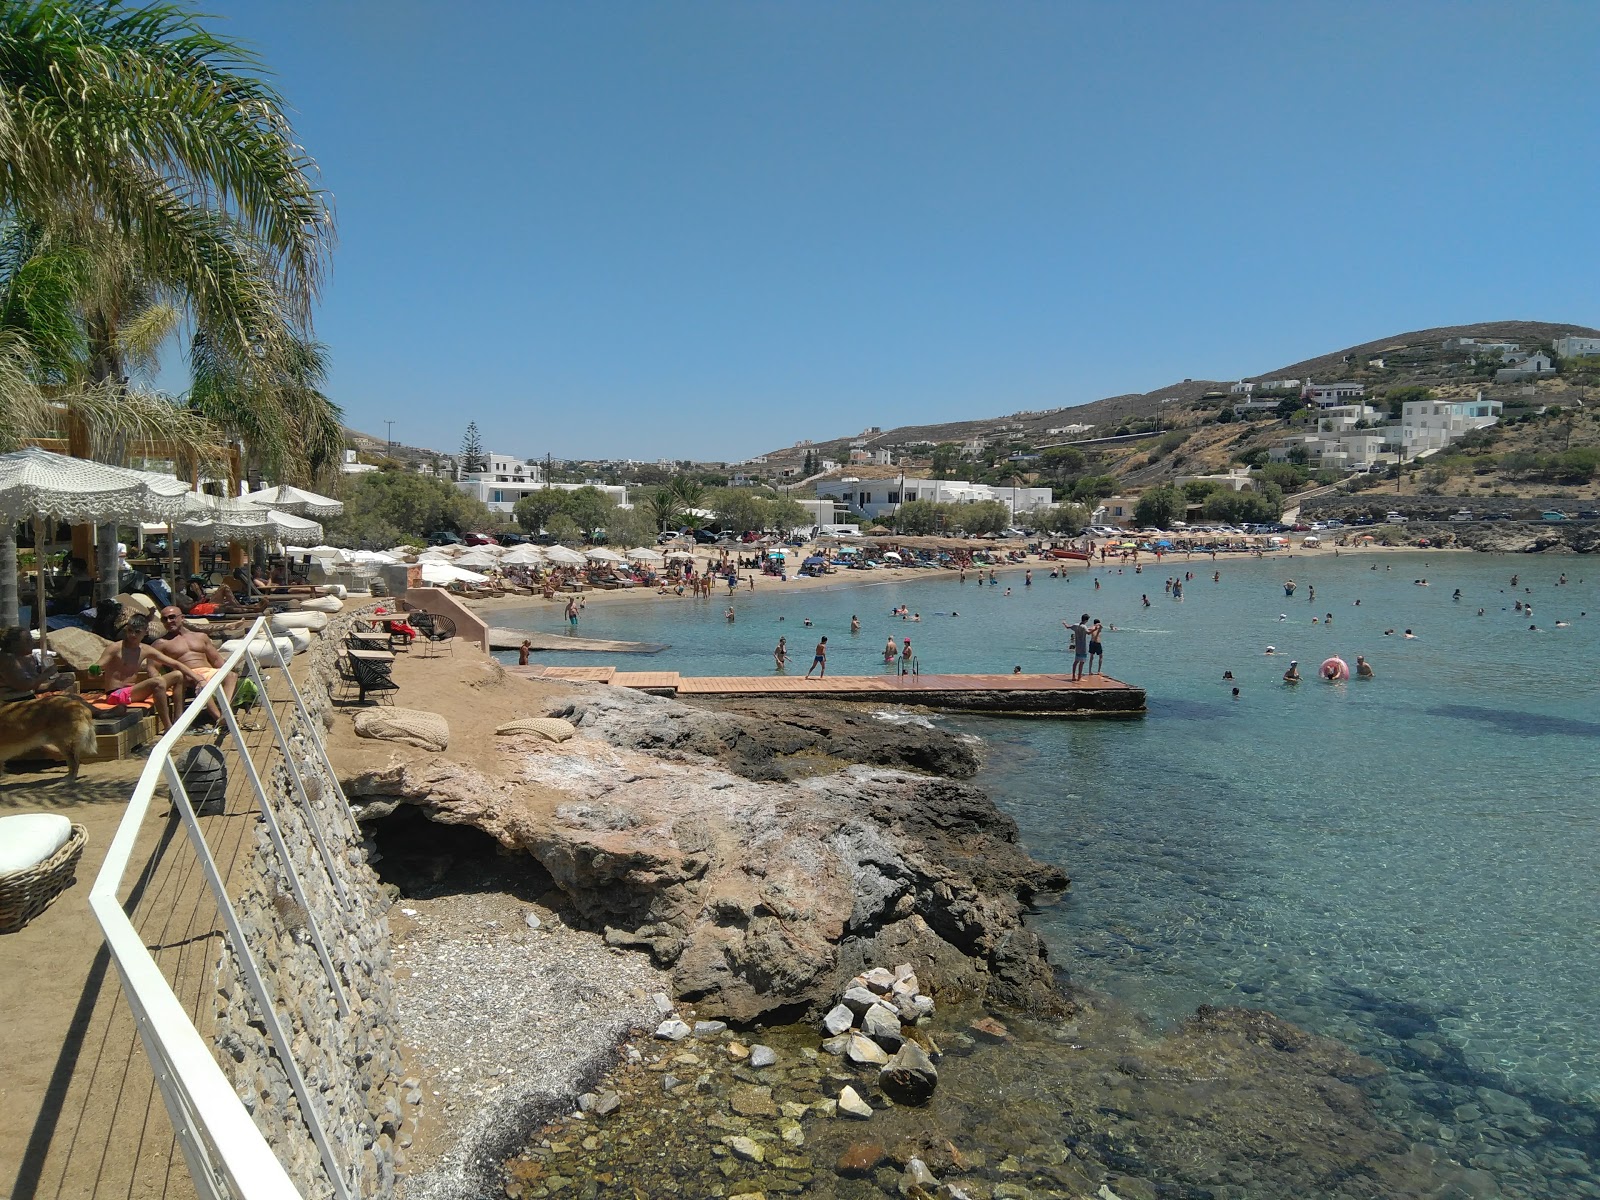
[759, 897]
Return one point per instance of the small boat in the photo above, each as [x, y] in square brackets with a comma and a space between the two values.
[1079, 555]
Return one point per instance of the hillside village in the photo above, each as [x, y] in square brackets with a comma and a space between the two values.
[1491, 413]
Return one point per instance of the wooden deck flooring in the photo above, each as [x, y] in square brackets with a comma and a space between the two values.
[999, 693]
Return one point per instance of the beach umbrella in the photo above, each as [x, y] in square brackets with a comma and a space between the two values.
[564, 556]
[290, 499]
[288, 525]
[38, 485]
[477, 559]
[680, 556]
[446, 573]
[643, 555]
[603, 554]
[522, 556]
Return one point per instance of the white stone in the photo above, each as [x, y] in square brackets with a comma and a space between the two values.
[882, 1026]
[865, 1051]
[918, 1175]
[762, 1056]
[663, 1003]
[838, 1020]
[853, 1104]
[709, 1028]
[879, 979]
[672, 1030]
[859, 999]
[837, 1045]
[904, 971]
[746, 1148]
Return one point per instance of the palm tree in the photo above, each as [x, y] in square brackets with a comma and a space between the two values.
[661, 507]
[163, 170]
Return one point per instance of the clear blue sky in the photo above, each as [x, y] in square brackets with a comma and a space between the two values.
[709, 229]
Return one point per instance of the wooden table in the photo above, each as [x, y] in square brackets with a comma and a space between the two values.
[382, 656]
[369, 641]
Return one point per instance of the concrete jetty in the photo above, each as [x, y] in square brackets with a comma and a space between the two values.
[511, 639]
[1043, 695]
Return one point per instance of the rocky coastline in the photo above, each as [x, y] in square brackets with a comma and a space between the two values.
[630, 931]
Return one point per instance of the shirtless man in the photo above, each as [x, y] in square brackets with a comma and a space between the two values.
[194, 650]
[131, 670]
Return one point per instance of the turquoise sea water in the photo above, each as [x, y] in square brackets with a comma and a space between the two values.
[1408, 864]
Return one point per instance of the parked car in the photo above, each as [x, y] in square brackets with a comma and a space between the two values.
[1464, 514]
[479, 539]
[1395, 518]
[1333, 523]
[1584, 514]
[444, 538]
[705, 537]
[1554, 516]
[513, 539]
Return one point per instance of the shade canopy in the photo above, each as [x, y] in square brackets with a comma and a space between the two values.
[681, 556]
[603, 554]
[644, 554]
[443, 572]
[37, 483]
[290, 499]
[477, 559]
[563, 556]
[223, 520]
[522, 556]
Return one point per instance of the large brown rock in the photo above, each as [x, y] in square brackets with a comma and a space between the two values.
[757, 895]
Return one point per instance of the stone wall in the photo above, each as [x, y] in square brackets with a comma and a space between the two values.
[351, 1061]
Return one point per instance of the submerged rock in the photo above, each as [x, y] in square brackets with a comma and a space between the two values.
[910, 1076]
[865, 1051]
[852, 1104]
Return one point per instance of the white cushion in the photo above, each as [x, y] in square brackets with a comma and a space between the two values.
[284, 621]
[300, 637]
[30, 838]
[327, 604]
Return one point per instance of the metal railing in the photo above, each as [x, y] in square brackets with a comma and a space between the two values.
[227, 1155]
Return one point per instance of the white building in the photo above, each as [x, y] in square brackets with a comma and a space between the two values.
[351, 467]
[502, 482]
[1067, 430]
[1324, 395]
[1434, 424]
[1277, 385]
[1534, 366]
[1243, 388]
[1577, 347]
[1248, 406]
[878, 497]
[1341, 418]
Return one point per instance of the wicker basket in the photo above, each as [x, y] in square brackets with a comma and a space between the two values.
[26, 894]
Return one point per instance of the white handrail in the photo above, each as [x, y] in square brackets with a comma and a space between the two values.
[206, 1112]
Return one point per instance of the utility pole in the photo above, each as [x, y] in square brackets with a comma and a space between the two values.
[390, 424]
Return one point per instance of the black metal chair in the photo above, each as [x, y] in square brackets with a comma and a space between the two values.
[373, 677]
[433, 628]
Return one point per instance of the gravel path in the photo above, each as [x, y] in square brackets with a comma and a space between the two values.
[505, 1025]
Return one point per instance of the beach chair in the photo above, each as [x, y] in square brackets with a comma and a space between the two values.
[372, 678]
[434, 629]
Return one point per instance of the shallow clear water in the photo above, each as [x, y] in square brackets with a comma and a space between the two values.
[1408, 863]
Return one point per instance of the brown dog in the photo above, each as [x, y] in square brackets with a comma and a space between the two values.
[64, 724]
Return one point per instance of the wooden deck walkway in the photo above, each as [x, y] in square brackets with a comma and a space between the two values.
[1057, 695]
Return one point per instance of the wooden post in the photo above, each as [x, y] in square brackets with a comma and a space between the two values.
[38, 568]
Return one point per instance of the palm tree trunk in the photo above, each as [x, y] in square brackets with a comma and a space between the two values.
[10, 606]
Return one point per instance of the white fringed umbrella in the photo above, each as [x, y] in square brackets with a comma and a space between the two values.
[522, 556]
[602, 554]
[563, 556]
[38, 485]
[477, 559]
[642, 554]
[287, 498]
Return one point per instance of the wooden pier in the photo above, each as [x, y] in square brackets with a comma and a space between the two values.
[1051, 695]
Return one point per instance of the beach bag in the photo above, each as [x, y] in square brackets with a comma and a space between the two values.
[245, 695]
[205, 777]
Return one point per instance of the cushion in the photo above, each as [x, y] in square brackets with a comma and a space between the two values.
[78, 648]
[426, 730]
[314, 621]
[327, 604]
[300, 637]
[28, 839]
[552, 729]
